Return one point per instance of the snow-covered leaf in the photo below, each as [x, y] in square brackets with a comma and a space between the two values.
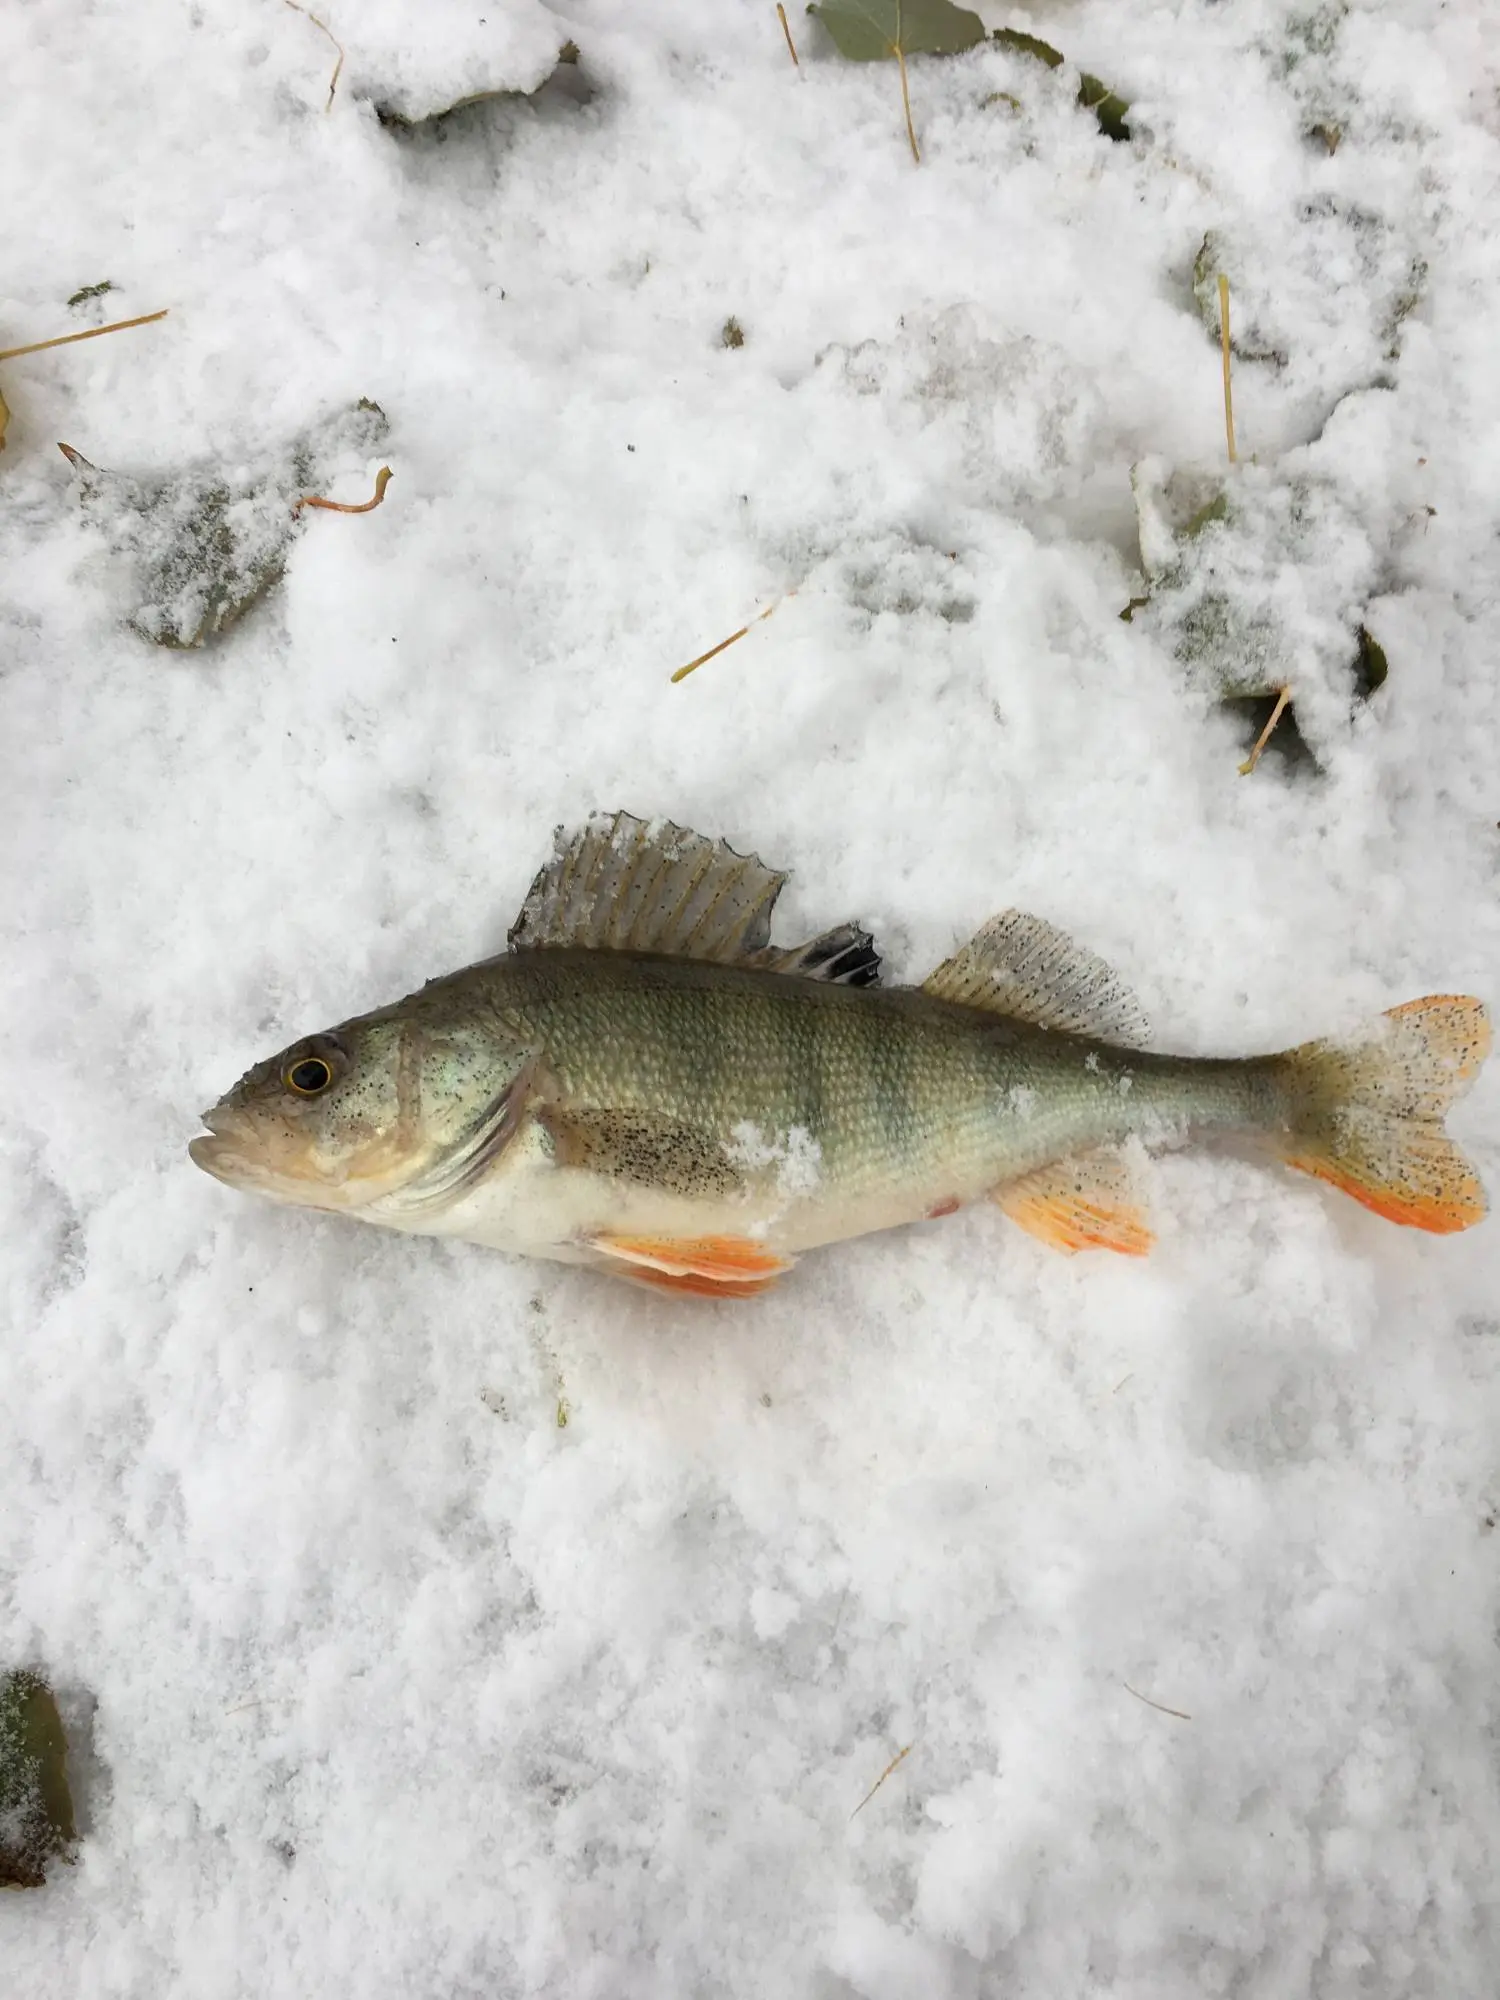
[1093, 93]
[203, 548]
[1257, 577]
[36, 1807]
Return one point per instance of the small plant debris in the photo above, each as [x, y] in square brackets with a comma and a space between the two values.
[91, 292]
[732, 334]
[323, 27]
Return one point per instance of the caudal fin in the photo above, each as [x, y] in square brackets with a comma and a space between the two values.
[1368, 1116]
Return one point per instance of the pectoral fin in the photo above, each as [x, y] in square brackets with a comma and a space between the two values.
[733, 1267]
[1087, 1203]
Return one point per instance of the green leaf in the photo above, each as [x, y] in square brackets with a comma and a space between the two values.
[876, 30]
[36, 1807]
[1371, 665]
[1106, 106]
[1030, 45]
[1093, 94]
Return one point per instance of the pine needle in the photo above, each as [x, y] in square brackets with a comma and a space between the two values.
[1283, 696]
[1224, 343]
[786, 29]
[338, 68]
[911, 130]
[899, 1758]
[1160, 1706]
[89, 333]
[724, 644]
[382, 480]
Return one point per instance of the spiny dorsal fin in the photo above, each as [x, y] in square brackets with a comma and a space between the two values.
[844, 956]
[626, 884]
[1090, 1202]
[1028, 969]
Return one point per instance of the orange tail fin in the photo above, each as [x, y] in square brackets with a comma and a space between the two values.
[1368, 1117]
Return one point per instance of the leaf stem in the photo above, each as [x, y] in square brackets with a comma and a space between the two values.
[338, 68]
[1283, 696]
[714, 651]
[1224, 344]
[382, 480]
[911, 130]
[90, 333]
[899, 1758]
[1160, 1706]
[786, 29]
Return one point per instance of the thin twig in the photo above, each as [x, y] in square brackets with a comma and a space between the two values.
[787, 31]
[713, 651]
[911, 130]
[900, 1757]
[89, 333]
[338, 68]
[1224, 343]
[382, 480]
[1283, 696]
[1161, 1707]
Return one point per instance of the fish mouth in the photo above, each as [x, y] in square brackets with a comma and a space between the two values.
[217, 1153]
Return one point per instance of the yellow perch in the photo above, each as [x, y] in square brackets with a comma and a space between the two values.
[644, 1083]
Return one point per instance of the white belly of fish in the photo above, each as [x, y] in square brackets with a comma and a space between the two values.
[530, 1206]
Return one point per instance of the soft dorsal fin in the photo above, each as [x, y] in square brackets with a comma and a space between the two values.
[1027, 968]
[626, 884]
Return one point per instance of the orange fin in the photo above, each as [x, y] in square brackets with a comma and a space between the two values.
[1420, 1179]
[1086, 1203]
[711, 1266]
[693, 1283]
[1367, 1117]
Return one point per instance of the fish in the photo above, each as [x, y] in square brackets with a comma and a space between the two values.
[643, 1083]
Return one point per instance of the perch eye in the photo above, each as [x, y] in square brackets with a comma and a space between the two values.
[308, 1077]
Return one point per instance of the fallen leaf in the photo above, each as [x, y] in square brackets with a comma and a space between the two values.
[36, 1807]
[1093, 94]
[880, 30]
[1250, 571]
[406, 115]
[872, 30]
[1030, 45]
[203, 549]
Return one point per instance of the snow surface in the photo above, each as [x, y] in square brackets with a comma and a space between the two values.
[402, 1685]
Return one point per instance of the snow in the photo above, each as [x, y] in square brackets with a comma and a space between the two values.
[433, 1624]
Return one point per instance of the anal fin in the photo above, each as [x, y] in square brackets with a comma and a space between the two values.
[1090, 1202]
[692, 1284]
[708, 1266]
